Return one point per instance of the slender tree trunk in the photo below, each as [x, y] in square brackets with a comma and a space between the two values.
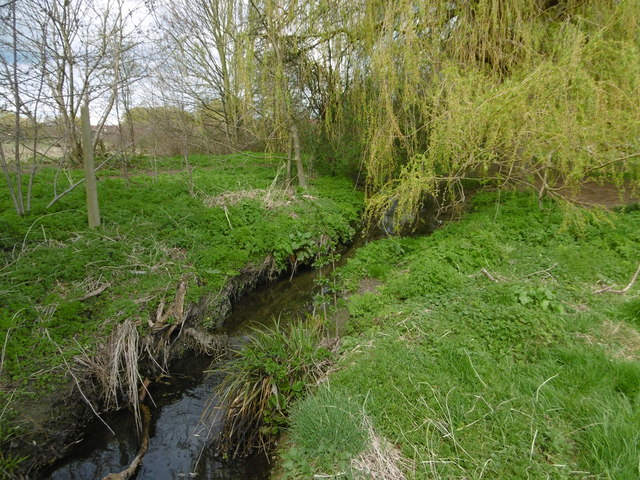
[7, 177]
[295, 136]
[34, 165]
[289, 162]
[17, 132]
[93, 209]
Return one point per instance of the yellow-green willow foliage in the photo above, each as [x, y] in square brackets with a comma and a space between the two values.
[521, 93]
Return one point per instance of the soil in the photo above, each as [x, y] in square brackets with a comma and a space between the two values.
[606, 195]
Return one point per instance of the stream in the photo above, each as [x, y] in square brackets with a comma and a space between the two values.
[179, 446]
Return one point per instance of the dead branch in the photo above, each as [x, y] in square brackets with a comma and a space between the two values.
[144, 446]
[95, 293]
[488, 275]
[625, 289]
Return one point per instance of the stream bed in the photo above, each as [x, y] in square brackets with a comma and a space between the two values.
[180, 444]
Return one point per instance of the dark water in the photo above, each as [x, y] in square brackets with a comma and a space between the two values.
[180, 445]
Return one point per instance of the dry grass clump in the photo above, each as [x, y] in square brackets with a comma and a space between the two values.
[381, 460]
[269, 198]
[115, 367]
[618, 339]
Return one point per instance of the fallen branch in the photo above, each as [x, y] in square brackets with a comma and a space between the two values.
[488, 275]
[144, 446]
[625, 289]
[95, 293]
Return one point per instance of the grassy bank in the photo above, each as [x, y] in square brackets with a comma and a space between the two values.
[64, 289]
[483, 351]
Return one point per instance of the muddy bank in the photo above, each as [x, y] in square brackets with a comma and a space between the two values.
[179, 443]
[53, 426]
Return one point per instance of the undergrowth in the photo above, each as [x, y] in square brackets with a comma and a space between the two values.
[65, 288]
[485, 353]
[268, 375]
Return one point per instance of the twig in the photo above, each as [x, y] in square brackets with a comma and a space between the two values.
[546, 270]
[488, 275]
[78, 383]
[625, 289]
[95, 293]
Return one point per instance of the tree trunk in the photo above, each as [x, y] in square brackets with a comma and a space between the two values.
[7, 176]
[93, 209]
[17, 132]
[289, 161]
[295, 136]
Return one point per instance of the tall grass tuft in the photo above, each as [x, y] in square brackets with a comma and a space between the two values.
[269, 373]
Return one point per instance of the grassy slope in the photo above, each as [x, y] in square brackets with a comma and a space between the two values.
[154, 232]
[530, 376]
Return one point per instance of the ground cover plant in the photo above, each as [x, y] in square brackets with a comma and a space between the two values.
[486, 351]
[169, 236]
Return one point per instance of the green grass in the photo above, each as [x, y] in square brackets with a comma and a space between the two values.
[270, 372]
[529, 376]
[327, 429]
[156, 230]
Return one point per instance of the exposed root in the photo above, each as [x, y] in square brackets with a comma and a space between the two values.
[207, 344]
[174, 312]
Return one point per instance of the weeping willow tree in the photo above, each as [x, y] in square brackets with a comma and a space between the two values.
[534, 94]
[538, 94]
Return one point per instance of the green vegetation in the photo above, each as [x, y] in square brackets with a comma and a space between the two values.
[64, 288]
[261, 383]
[327, 427]
[538, 95]
[485, 353]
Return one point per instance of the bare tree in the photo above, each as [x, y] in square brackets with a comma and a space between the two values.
[21, 88]
[87, 43]
[206, 41]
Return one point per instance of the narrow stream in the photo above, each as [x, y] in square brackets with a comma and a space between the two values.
[178, 443]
